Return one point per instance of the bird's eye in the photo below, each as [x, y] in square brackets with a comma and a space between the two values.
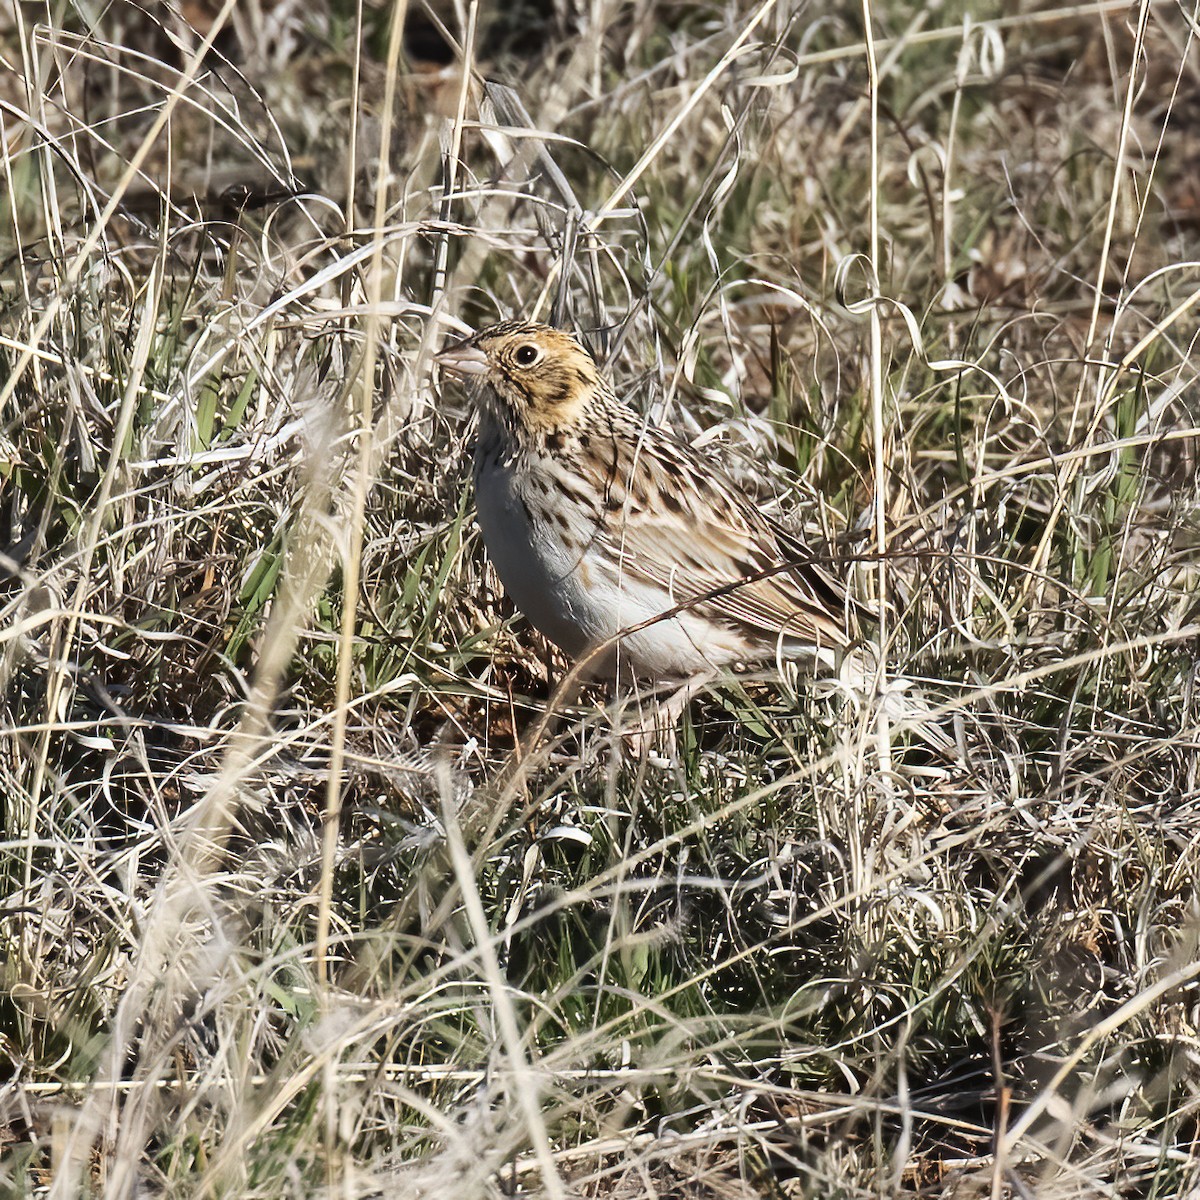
[526, 355]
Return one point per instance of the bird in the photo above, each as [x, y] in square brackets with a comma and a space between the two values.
[622, 543]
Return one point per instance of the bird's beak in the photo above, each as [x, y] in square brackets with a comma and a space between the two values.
[463, 358]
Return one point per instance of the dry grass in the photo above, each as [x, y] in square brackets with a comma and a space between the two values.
[303, 896]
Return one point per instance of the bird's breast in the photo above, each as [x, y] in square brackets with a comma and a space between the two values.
[537, 542]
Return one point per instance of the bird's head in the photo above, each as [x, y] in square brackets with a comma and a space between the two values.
[536, 379]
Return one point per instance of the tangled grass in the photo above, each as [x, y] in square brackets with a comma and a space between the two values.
[312, 880]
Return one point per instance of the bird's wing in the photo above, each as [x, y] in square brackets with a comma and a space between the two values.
[674, 520]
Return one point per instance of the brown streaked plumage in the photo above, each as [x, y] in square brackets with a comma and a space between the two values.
[598, 523]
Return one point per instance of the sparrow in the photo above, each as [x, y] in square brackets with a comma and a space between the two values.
[623, 544]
